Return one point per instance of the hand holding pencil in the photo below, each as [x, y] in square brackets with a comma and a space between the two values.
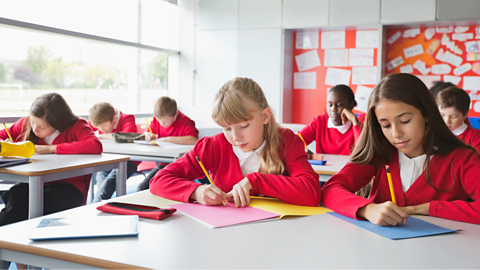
[208, 194]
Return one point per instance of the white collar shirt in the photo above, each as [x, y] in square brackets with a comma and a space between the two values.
[458, 131]
[249, 161]
[49, 139]
[342, 129]
[410, 169]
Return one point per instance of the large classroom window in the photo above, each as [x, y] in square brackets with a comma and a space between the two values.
[88, 51]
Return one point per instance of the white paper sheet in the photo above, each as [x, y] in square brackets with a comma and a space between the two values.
[429, 32]
[428, 80]
[366, 39]
[453, 79]
[307, 40]
[461, 29]
[462, 69]
[411, 33]
[360, 57]
[394, 63]
[406, 69]
[305, 80]
[476, 106]
[472, 46]
[462, 36]
[307, 60]
[394, 37]
[333, 39]
[471, 82]
[449, 57]
[421, 66]
[413, 51]
[364, 75]
[441, 69]
[444, 30]
[337, 76]
[335, 58]
[361, 96]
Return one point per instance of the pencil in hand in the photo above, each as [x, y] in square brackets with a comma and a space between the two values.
[390, 184]
[8, 133]
[300, 135]
[208, 176]
[148, 125]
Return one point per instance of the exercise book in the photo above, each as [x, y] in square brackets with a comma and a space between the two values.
[166, 145]
[284, 209]
[222, 216]
[414, 227]
[10, 161]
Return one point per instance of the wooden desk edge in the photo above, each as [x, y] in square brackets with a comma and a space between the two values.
[66, 256]
[65, 169]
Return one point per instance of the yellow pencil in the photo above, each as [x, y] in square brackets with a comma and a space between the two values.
[208, 176]
[390, 184]
[300, 135]
[6, 129]
[149, 128]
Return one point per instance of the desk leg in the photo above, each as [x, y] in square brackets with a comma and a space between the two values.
[35, 199]
[121, 179]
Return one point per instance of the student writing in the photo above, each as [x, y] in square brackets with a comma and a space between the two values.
[252, 156]
[433, 172]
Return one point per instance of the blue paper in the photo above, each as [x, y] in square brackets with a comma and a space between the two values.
[317, 162]
[413, 228]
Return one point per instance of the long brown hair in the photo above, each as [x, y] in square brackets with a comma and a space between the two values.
[374, 148]
[52, 108]
[229, 107]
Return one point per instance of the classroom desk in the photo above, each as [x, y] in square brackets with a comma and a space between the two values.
[145, 152]
[46, 168]
[179, 241]
[334, 164]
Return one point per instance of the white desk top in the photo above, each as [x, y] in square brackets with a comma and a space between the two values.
[321, 241]
[334, 164]
[133, 149]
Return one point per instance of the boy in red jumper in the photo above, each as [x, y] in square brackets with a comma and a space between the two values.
[168, 125]
[108, 120]
[336, 131]
[454, 104]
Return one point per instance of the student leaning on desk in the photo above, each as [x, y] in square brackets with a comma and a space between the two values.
[433, 172]
[252, 156]
[168, 125]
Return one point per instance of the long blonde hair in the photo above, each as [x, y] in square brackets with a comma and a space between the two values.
[229, 107]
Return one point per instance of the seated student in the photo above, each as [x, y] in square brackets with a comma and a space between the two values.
[454, 104]
[433, 172]
[336, 131]
[108, 120]
[54, 129]
[168, 125]
[438, 86]
[253, 156]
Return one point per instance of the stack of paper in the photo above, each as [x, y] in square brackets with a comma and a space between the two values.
[5, 162]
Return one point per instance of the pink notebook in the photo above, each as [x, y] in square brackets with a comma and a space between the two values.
[221, 216]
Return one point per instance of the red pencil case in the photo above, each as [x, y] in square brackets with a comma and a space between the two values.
[139, 210]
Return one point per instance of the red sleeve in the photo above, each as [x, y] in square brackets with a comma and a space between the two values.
[84, 141]
[300, 185]
[338, 193]
[466, 170]
[309, 132]
[357, 130]
[175, 181]
[190, 129]
[128, 124]
[16, 130]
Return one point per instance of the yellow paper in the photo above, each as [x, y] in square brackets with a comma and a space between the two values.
[283, 209]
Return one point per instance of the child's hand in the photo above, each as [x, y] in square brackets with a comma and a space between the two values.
[7, 140]
[150, 136]
[384, 214]
[45, 149]
[421, 209]
[241, 193]
[348, 115]
[309, 153]
[208, 195]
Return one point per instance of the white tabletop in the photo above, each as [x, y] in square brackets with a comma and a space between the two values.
[321, 241]
[145, 152]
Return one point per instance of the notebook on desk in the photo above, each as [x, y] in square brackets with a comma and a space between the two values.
[78, 227]
[10, 161]
[166, 145]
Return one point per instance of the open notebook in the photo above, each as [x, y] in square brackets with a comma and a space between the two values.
[166, 145]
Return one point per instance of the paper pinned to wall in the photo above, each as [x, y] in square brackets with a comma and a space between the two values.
[361, 96]
[366, 39]
[305, 80]
[453, 79]
[337, 76]
[413, 51]
[406, 69]
[428, 80]
[306, 40]
[421, 66]
[364, 75]
[462, 69]
[429, 32]
[462, 36]
[411, 33]
[394, 37]
[441, 69]
[336, 58]
[360, 57]
[307, 60]
[471, 83]
[333, 39]
[394, 63]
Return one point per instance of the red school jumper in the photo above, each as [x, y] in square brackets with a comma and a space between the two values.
[463, 164]
[299, 184]
[77, 139]
[183, 126]
[126, 123]
[330, 140]
[471, 136]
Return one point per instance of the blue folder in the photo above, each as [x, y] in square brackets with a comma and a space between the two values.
[317, 162]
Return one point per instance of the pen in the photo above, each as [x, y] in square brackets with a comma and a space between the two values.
[390, 184]
[300, 135]
[149, 128]
[208, 176]
[6, 129]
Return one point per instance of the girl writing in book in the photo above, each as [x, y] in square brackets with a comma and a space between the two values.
[54, 129]
[336, 131]
[253, 156]
[433, 172]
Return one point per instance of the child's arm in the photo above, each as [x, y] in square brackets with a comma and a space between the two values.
[309, 132]
[86, 141]
[187, 140]
[15, 130]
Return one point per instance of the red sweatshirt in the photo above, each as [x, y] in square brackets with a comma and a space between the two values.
[77, 139]
[126, 123]
[455, 204]
[471, 136]
[183, 126]
[330, 140]
[299, 184]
